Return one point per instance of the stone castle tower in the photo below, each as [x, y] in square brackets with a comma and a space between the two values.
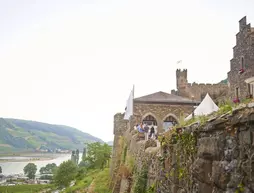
[181, 81]
[243, 59]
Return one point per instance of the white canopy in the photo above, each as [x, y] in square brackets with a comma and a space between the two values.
[206, 107]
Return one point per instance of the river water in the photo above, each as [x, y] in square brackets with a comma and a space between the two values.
[18, 166]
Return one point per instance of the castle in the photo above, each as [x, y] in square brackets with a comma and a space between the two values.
[164, 109]
[240, 81]
[223, 146]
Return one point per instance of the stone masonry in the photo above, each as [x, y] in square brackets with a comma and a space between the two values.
[243, 58]
[160, 105]
[215, 156]
[198, 91]
[160, 112]
[223, 162]
[120, 126]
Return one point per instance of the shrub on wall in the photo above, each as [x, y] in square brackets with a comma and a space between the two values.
[141, 180]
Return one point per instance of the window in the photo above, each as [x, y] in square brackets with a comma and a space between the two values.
[150, 120]
[242, 63]
[237, 92]
[169, 122]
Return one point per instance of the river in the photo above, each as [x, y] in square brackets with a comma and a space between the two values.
[16, 167]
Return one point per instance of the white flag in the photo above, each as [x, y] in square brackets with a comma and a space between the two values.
[129, 106]
[178, 62]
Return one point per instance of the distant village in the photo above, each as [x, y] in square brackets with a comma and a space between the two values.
[44, 177]
[57, 150]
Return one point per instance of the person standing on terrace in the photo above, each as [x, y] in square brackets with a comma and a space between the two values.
[146, 128]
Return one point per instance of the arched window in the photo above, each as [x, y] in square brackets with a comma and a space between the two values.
[150, 120]
[169, 122]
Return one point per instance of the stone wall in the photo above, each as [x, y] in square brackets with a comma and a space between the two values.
[120, 126]
[212, 157]
[160, 112]
[216, 91]
[243, 57]
[198, 91]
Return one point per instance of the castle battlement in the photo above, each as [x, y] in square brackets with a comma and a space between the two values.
[207, 84]
[120, 125]
[182, 73]
[196, 90]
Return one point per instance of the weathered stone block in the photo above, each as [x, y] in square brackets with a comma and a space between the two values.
[219, 123]
[124, 186]
[202, 170]
[204, 188]
[230, 191]
[211, 148]
[245, 137]
[251, 117]
[231, 142]
[150, 143]
[217, 190]
[231, 154]
[231, 149]
[181, 191]
[234, 180]
[219, 175]
[251, 105]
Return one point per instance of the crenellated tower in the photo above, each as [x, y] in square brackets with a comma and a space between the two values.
[181, 81]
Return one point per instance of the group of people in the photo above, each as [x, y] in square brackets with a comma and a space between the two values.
[150, 131]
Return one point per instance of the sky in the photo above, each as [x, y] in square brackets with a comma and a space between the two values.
[74, 62]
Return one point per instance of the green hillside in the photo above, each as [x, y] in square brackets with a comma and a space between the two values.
[22, 135]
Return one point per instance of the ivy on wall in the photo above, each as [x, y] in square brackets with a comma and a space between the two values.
[140, 183]
[182, 146]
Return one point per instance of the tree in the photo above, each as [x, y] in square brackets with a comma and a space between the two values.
[98, 155]
[81, 173]
[84, 154]
[30, 170]
[73, 157]
[65, 173]
[83, 164]
[77, 156]
[48, 169]
[1, 170]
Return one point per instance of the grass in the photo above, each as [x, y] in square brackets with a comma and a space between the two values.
[84, 183]
[100, 179]
[102, 182]
[25, 188]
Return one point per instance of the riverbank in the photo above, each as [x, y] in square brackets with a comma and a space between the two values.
[16, 164]
[25, 188]
[27, 157]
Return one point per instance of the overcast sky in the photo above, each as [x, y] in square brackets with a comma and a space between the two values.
[74, 62]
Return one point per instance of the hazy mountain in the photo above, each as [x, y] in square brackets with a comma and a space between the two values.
[22, 135]
[110, 143]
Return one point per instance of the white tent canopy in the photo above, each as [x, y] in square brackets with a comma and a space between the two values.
[206, 107]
